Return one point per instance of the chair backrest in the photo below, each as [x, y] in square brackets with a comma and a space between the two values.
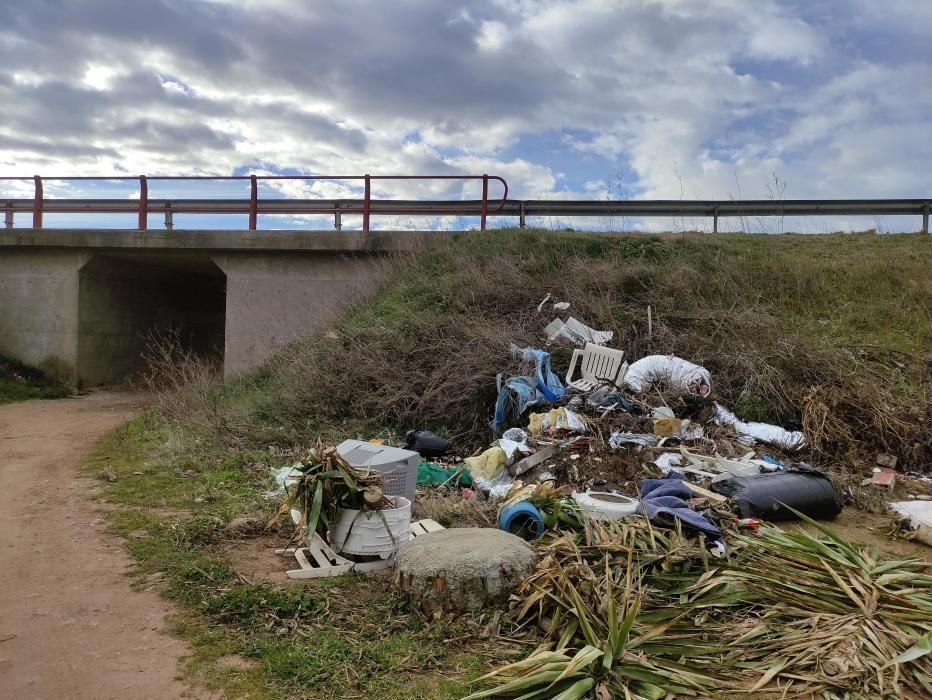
[600, 363]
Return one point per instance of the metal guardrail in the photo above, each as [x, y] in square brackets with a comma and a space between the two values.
[503, 207]
[253, 206]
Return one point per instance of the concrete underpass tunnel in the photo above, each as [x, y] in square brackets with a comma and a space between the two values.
[123, 300]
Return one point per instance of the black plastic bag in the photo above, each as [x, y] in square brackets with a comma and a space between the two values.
[765, 495]
[426, 443]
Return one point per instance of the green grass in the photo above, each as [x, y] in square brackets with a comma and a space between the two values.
[335, 638]
[19, 382]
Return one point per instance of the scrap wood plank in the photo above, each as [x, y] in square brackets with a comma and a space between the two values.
[318, 560]
[705, 493]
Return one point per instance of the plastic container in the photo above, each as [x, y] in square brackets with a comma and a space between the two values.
[365, 533]
[398, 467]
[522, 519]
[766, 495]
[601, 505]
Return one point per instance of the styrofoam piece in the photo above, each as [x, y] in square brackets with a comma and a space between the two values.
[919, 514]
[374, 532]
[397, 466]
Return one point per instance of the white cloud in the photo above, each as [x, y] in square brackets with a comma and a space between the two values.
[691, 96]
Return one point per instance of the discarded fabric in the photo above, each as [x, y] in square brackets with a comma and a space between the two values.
[663, 501]
[768, 496]
[426, 443]
[573, 332]
[788, 440]
[671, 371]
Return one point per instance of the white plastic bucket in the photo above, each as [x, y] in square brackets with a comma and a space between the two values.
[365, 532]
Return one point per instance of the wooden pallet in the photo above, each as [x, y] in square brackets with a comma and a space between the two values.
[318, 560]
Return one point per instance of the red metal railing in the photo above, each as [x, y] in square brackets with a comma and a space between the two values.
[255, 205]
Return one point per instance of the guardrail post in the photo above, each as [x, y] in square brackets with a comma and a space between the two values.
[485, 201]
[169, 224]
[8, 219]
[338, 219]
[714, 219]
[925, 218]
[143, 203]
[37, 203]
[522, 214]
[253, 202]
[365, 203]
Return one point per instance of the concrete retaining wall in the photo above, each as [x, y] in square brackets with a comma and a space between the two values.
[39, 308]
[83, 301]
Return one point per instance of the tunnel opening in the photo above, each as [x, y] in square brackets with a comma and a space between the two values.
[125, 301]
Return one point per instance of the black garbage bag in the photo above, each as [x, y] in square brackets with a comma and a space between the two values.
[765, 496]
[426, 443]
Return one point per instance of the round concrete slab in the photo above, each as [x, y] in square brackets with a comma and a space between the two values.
[462, 569]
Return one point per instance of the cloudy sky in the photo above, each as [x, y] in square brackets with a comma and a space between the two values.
[564, 98]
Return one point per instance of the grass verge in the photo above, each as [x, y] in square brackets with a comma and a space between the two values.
[172, 497]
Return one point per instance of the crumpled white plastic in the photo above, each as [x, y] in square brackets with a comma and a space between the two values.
[670, 370]
[788, 440]
[620, 439]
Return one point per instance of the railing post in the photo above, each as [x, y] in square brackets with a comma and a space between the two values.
[143, 203]
[338, 219]
[169, 224]
[522, 214]
[8, 219]
[365, 204]
[925, 218]
[253, 202]
[37, 203]
[714, 219]
[485, 200]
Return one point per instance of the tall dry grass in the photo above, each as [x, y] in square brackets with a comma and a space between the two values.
[822, 332]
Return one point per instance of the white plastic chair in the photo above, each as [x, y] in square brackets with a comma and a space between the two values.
[598, 366]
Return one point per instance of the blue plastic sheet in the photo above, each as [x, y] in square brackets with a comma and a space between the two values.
[517, 394]
[547, 382]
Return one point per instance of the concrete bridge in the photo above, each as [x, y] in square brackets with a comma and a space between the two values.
[81, 303]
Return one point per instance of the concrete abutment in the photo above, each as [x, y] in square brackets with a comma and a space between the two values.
[83, 304]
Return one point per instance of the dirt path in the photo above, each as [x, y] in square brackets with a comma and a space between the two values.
[70, 626]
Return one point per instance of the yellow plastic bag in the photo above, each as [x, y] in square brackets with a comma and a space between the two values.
[488, 464]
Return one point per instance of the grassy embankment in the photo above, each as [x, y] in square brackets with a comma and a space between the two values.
[830, 333]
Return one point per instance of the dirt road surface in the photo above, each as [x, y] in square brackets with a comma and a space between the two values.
[70, 626]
